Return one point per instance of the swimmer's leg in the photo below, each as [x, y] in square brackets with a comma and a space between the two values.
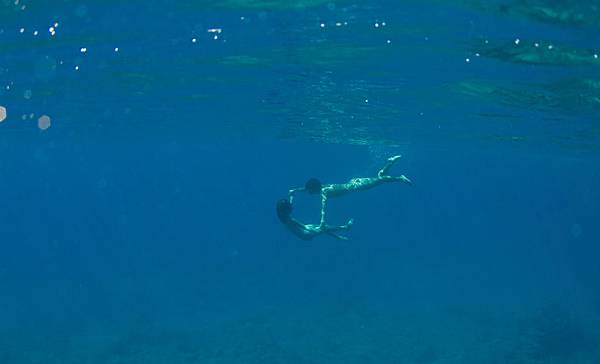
[402, 178]
[339, 237]
[390, 162]
[330, 229]
[383, 173]
[346, 226]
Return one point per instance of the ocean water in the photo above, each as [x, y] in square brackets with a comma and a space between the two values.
[143, 146]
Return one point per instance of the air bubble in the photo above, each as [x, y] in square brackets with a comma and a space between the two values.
[44, 122]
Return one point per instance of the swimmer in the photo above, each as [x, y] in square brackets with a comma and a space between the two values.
[307, 231]
[314, 186]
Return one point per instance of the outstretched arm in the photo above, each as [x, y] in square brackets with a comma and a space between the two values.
[323, 208]
[292, 193]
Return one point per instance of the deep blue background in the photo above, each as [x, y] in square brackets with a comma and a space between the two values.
[148, 205]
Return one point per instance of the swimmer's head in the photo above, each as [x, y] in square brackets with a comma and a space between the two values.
[284, 209]
[313, 186]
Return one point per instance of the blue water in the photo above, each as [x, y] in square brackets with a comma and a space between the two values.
[138, 226]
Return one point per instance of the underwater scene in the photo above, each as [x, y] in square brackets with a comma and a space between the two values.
[299, 182]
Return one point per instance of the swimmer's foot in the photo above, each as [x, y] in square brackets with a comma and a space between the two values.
[390, 162]
[350, 223]
[405, 179]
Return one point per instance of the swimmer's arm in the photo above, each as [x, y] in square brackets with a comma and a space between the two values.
[292, 193]
[323, 208]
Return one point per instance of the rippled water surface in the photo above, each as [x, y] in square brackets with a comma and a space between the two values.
[344, 72]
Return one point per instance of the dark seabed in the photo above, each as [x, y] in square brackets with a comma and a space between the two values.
[143, 146]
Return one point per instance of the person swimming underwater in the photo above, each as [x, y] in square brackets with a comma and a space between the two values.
[307, 231]
[314, 186]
